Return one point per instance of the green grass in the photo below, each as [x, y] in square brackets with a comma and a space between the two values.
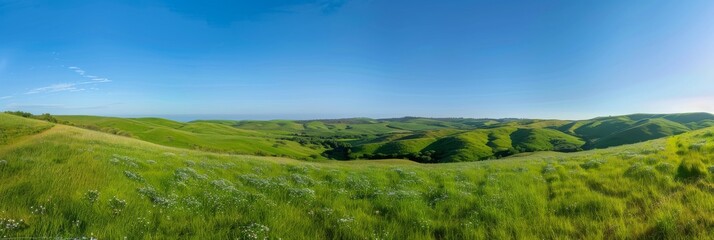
[69, 182]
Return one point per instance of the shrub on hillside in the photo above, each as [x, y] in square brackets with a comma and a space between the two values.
[20, 113]
[254, 231]
[562, 145]
[43, 117]
[595, 163]
[92, 196]
[665, 167]
[8, 225]
[641, 171]
[46, 117]
[117, 205]
[549, 169]
[133, 176]
[155, 197]
[698, 146]
[691, 170]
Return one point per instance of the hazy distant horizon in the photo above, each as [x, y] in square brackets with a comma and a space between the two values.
[267, 117]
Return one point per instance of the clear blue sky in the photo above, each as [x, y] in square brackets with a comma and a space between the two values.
[349, 58]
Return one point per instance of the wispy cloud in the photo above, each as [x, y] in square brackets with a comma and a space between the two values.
[23, 106]
[58, 106]
[61, 87]
[71, 87]
[84, 74]
[100, 80]
[5, 97]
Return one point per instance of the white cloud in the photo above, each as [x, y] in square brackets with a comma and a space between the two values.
[101, 80]
[69, 87]
[20, 106]
[55, 88]
[5, 97]
[81, 72]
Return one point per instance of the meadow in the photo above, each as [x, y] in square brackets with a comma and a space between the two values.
[59, 181]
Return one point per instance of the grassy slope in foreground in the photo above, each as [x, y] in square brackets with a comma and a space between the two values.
[70, 182]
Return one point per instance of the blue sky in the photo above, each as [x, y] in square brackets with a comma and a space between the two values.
[347, 58]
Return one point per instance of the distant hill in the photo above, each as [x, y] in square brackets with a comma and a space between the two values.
[420, 139]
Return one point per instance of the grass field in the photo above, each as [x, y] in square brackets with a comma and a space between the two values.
[67, 182]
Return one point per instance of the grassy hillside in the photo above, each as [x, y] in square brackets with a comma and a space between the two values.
[543, 139]
[461, 147]
[320, 128]
[200, 135]
[69, 182]
[641, 131]
[614, 131]
[464, 146]
[419, 139]
[15, 127]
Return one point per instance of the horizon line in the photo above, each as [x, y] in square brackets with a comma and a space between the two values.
[247, 117]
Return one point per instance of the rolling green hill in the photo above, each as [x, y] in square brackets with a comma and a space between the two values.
[15, 127]
[206, 136]
[613, 131]
[419, 139]
[543, 139]
[59, 181]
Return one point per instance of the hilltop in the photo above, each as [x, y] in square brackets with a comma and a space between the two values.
[68, 182]
[432, 140]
